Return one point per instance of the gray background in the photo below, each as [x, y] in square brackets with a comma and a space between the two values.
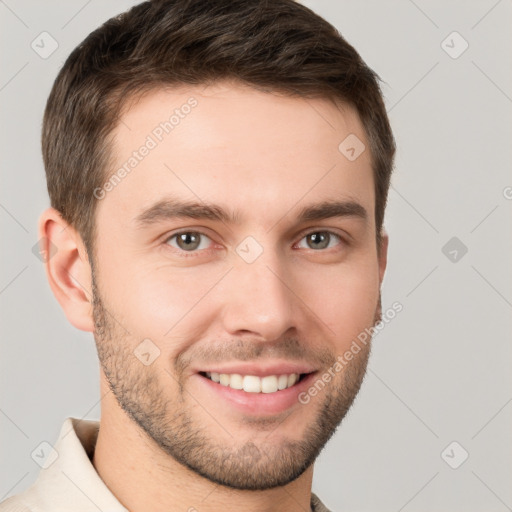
[440, 371]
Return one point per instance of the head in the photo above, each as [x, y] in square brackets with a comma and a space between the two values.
[195, 151]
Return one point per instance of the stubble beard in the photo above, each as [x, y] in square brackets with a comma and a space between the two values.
[168, 422]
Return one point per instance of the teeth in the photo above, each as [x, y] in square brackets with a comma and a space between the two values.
[236, 381]
[292, 379]
[282, 382]
[254, 384]
[269, 384]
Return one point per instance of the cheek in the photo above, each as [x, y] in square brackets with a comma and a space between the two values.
[345, 298]
[159, 303]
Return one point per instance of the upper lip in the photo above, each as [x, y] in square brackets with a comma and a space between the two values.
[261, 369]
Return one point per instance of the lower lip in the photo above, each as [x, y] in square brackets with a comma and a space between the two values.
[259, 404]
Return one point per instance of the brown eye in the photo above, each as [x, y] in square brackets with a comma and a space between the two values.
[188, 241]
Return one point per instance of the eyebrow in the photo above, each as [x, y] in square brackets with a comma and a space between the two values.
[168, 209]
[330, 209]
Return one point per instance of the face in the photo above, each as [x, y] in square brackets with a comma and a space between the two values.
[235, 260]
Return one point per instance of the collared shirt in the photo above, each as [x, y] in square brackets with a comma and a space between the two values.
[69, 482]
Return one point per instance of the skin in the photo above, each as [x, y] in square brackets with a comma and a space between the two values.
[295, 303]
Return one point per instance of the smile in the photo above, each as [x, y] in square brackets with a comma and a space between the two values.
[253, 383]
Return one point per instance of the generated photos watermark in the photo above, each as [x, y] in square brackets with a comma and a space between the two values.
[344, 359]
[153, 139]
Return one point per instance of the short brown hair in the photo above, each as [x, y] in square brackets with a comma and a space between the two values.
[277, 45]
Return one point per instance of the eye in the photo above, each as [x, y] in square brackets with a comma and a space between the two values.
[189, 241]
[318, 240]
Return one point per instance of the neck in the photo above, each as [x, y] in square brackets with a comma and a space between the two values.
[144, 478]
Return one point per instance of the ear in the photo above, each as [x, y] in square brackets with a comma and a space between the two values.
[383, 254]
[67, 268]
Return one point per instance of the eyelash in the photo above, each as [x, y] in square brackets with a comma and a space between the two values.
[197, 252]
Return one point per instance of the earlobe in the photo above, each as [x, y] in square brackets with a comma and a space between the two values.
[67, 268]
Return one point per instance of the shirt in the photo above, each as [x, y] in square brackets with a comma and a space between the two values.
[69, 482]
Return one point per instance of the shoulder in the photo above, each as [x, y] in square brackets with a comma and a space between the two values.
[15, 504]
[316, 504]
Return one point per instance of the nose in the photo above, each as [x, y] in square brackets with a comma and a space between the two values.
[259, 300]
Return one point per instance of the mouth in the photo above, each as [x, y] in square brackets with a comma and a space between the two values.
[254, 391]
[255, 383]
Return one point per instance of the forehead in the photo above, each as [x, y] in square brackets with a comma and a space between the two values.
[258, 152]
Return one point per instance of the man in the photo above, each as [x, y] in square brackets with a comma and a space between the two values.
[218, 173]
